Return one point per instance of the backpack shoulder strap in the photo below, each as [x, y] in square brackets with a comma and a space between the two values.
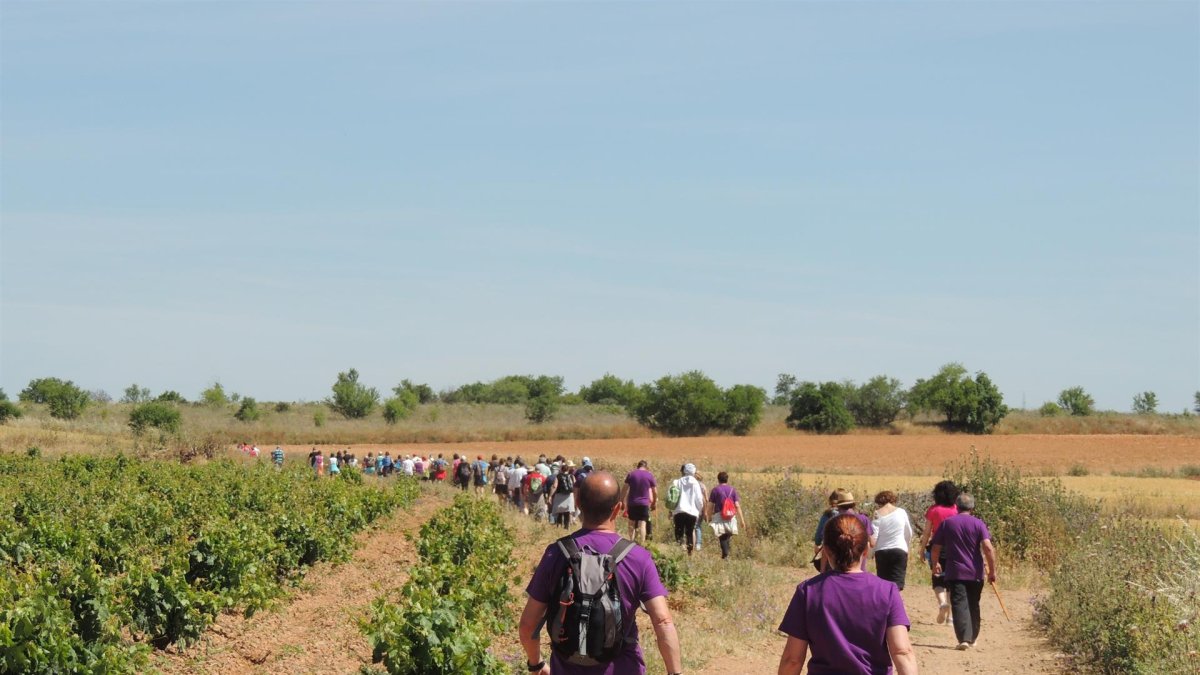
[568, 547]
[620, 550]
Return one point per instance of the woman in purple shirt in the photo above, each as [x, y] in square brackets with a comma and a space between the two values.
[724, 527]
[851, 621]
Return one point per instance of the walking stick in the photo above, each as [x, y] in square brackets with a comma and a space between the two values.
[1001, 600]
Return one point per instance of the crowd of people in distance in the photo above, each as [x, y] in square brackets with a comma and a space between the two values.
[843, 620]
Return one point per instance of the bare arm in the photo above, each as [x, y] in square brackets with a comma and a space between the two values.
[664, 632]
[654, 502]
[926, 534]
[530, 617]
[794, 653]
[989, 554]
[624, 492]
[935, 557]
[901, 650]
[742, 516]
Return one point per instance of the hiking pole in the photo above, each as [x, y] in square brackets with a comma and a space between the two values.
[1001, 600]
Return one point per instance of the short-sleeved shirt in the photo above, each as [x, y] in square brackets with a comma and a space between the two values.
[722, 492]
[820, 535]
[960, 538]
[936, 514]
[277, 456]
[639, 583]
[844, 618]
[640, 481]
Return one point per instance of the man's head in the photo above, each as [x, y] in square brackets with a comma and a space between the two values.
[642, 464]
[965, 503]
[599, 499]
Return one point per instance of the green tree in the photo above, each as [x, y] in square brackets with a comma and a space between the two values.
[970, 404]
[248, 411]
[743, 408]
[155, 414]
[611, 390]
[785, 384]
[8, 409]
[352, 399]
[215, 396]
[1145, 403]
[424, 392]
[1050, 409]
[820, 408]
[170, 396]
[401, 405]
[690, 404]
[876, 403]
[135, 394]
[64, 400]
[1076, 401]
[544, 397]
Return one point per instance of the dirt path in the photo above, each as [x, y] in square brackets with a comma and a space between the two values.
[316, 630]
[1004, 647]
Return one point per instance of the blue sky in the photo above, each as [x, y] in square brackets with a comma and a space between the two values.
[267, 193]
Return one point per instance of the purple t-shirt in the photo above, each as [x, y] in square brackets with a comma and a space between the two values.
[638, 578]
[844, 618]
[960, 538]
[720, 493]
[640, 481]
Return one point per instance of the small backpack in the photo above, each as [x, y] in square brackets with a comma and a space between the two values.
[585, 625]
[673, 495]
[566, 483]
[464, 472]
[535, 483]
[728, 509]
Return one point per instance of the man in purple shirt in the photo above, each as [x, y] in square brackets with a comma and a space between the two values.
[965, 542]
[599, 503]
[640, 495]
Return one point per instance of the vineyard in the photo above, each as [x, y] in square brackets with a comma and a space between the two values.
[95, 551]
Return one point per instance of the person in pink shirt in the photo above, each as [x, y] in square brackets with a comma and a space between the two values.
[944, 495]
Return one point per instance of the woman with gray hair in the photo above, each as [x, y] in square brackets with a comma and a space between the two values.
[688, 496]
[965, 542]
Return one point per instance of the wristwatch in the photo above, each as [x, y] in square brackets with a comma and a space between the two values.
[535, 667]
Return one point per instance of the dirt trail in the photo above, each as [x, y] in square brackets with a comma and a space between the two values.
[1004, 647]
[316, 630]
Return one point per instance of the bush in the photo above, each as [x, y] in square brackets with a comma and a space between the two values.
[785, 384]
[743, 408]
[690, 404]
[352, 399]
[319, 419]
[400, 406]
[215, 396]
[64, 400]
[820, 408]
[1076, 401]
[1145, 403]
[8, 411]
[248, 411]
[876, 403]
[171, 396]
[424, 392]
[611, 390]
[162, 416]
[541, 409]
[135, 394]
[282, 407]
[1051, 409]
[970, 404]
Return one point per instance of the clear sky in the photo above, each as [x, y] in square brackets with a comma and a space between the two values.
[267, 193]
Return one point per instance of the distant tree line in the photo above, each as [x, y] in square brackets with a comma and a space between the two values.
[687, 404]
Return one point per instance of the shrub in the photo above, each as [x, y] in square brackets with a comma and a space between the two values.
[970, 404]
[352, 399]
[1076, 401]
[690, 404]
[877, 402]
[64, 400]
[820, 408]
[170, 396]
[282, 407]
[743, 408]
[248, 411]
[611, 390]
[785, 384]
[541, 409]
[1145, 403]
[319, 419]
[215, 396]
[1051, 409]
[155, 414]
[8, 411]
[424, 392]
[135, 394]
[400, 406]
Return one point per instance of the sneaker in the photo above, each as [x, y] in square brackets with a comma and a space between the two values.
[943, 613]
[963, 646]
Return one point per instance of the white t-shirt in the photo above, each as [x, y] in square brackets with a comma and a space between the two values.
[407, 466]
[893, 530]
[515, 476]
[691, 496]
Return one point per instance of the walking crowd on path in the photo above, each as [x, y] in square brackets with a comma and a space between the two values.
[589, 584]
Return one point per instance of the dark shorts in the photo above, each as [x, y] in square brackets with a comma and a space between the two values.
[639, 512]
[937, 580]
[501, 489]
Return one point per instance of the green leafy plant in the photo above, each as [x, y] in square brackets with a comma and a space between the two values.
[970, 404]
[820, 408]
[400, 406]
[135, 394]
[352, 399]
[1076, 401]
[248, 411]
[215, 396]
[163, 416]
[63, 399]
[1145, 403]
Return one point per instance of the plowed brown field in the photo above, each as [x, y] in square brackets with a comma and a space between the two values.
[915, 455]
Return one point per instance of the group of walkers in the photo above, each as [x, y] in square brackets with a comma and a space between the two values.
[843, 620]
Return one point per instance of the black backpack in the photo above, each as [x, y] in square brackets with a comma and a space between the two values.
[585, 623]
[566, 483]
[464, 472]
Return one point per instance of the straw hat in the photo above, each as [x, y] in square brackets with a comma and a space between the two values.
[845, 498]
